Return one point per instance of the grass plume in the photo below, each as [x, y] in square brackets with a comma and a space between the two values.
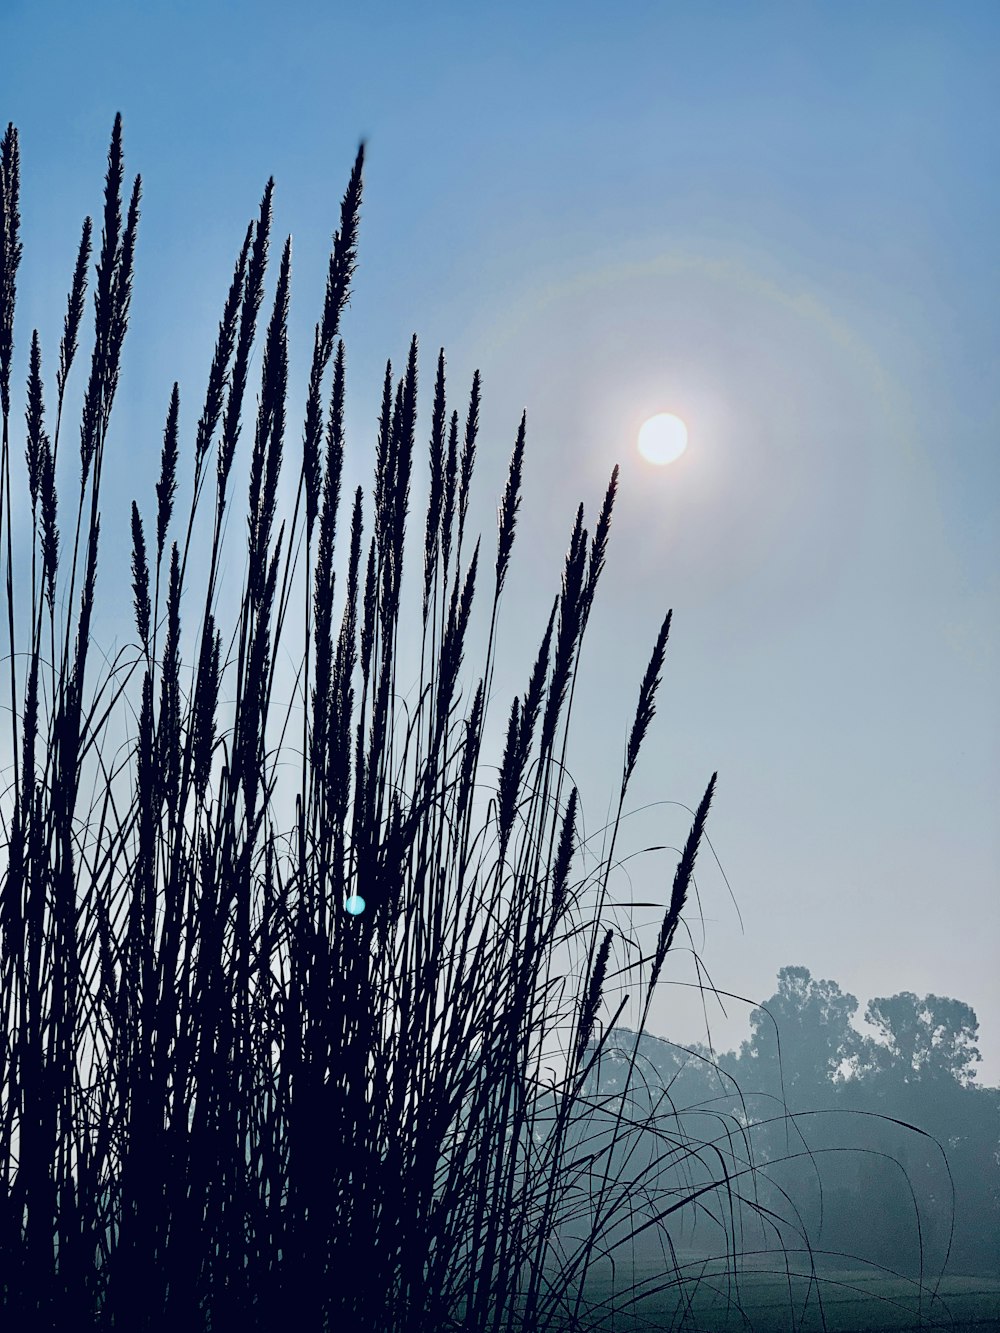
[283, 960]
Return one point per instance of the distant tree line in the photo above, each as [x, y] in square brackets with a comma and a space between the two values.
[882, 1147]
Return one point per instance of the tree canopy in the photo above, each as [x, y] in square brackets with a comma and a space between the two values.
[800, 1038]
[920, 1039]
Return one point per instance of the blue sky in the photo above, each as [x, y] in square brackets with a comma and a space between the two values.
[778, 220]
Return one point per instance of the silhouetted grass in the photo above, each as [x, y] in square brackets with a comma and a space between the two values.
[223, 1096]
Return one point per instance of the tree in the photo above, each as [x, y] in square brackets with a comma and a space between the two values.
[800, 1038]
[919, 1069]
[921, 1040]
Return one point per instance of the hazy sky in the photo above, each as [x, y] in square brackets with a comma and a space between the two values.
[776, 220]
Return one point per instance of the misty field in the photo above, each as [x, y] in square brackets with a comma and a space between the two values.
[767, 1299]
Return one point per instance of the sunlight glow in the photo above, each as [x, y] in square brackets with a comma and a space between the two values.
[662, 438]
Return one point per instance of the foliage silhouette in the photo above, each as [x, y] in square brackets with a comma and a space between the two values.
[917, 1071]
[923, 1039]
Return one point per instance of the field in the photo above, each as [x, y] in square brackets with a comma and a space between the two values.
[771, 1301]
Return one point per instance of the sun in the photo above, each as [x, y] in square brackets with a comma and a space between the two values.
[662, 438]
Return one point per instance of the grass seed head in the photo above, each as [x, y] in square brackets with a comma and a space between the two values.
[10, 254]
[166, 487]
[140, 578]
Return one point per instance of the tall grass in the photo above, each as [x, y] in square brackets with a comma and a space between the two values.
[280, 981]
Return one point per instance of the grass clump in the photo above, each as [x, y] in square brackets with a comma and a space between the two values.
[224, 1095]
